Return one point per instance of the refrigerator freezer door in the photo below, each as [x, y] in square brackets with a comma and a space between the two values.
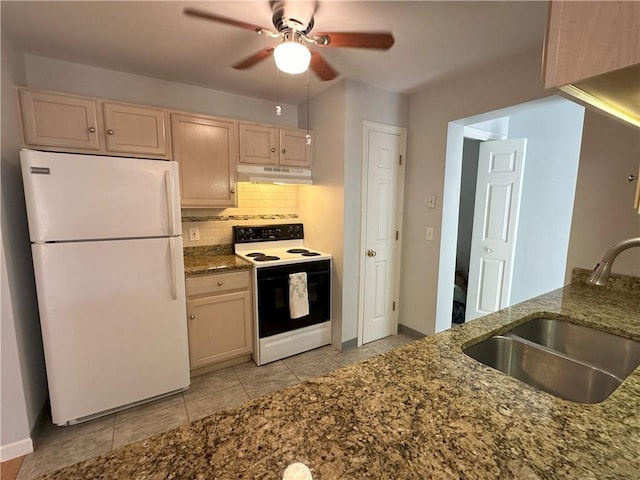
[84, 197]
[113, 321]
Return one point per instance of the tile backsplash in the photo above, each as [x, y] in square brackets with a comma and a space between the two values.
[258, 204]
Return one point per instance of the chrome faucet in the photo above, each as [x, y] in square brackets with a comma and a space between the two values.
[603, 269]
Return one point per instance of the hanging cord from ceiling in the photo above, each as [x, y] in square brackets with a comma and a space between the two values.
[278, 107]
[307, 137]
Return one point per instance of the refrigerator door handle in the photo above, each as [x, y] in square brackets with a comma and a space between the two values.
[173, 269]
[171, 197]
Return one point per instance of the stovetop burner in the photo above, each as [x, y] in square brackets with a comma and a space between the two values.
[265, 258]
[298, 250]
[255, 254]
[310, 254]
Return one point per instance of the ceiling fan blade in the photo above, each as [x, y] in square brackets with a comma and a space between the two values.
[374, 40]
[321, 67]
[251, 60]
[195, 12]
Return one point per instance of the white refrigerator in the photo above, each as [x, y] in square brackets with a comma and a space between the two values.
[107, 256]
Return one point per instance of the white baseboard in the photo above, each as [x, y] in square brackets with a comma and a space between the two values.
[16, 449]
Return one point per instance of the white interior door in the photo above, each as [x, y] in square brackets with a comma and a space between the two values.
[382, 166]
[495, 226]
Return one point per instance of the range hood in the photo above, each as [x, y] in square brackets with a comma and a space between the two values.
[274, 175]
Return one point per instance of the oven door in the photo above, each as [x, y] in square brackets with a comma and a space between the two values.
[273, 296]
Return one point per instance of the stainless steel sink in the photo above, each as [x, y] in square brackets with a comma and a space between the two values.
[570, 361]
[617, 355]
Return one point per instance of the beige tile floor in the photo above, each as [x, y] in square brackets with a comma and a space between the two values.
[56, 447]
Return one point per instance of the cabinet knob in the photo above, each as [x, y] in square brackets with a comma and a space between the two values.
[220, 283]
[233, 190]
[192, 317]
[284, 150]
[110, 132]
[273, 149]
[92, 129]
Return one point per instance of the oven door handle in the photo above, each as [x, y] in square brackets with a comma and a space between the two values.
[286, 277]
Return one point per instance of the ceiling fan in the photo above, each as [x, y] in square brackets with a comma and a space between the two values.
[293, 21]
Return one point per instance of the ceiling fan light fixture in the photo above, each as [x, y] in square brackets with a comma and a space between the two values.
[292, 57]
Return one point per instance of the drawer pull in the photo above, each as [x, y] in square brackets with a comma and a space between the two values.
[219, 284]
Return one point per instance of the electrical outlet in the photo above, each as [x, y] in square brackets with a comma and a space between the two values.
[194, 234]
[429, 235]
[431, 201]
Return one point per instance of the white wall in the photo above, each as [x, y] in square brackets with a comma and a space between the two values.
[321, 206]
[553, 130]
[330, 208]
[24, 384]
[78, 79]
[513, 81]
[363, 103]
[603, 212]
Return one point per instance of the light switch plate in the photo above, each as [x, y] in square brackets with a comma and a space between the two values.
[429, 235]
[194, 234]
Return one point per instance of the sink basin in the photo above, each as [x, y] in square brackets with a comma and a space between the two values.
[617, 355]
[570, 361]
[544, 369]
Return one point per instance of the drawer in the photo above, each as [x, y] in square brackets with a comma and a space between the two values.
[218, 283]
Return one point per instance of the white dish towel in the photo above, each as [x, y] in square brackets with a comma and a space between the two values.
[298, 296]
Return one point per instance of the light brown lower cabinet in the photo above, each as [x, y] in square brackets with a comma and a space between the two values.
[219, 315]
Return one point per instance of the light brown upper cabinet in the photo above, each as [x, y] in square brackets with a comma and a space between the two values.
[269, 145]
[592, 52]
[206, 149]
[135, 129]
[69, 123]
[56, 120]
[294, 151]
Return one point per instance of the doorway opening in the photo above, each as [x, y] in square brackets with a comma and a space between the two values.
[553, 129]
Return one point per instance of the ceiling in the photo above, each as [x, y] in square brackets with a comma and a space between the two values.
[434, 40]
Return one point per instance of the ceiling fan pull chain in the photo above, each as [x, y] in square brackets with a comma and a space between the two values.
[278, 107]
[307, 137]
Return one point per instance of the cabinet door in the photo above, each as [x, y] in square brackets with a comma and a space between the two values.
[294, 151]
[219, 328]
[585, 39]
[135, 129]
[258, 144]
[206, 151]
[55, 120]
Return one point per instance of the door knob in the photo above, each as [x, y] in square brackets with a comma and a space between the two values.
[371, 253]
[488, 249]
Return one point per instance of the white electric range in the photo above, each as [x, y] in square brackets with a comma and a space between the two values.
[276, 252]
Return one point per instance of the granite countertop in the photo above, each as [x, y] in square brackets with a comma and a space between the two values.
[425, 410]
[211, 259]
